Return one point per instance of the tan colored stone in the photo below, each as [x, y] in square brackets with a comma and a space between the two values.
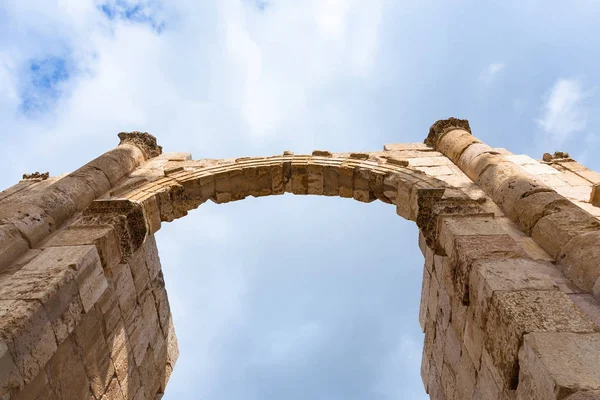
[66, 373]
[89, 338]
[587, 304]
[578, 260]
[424, 298]
[315, 178]
[491, 276]
[554, 231]
[486, 387]
[450, 227]
[10, 378]
[139, 271]
[473, 339]
[114, 391]
[103, 237]
[151, 256]
[513, 314]
[559, 364]
[32, 221]
[469, 249]
[26, 331]
[124, 288]
[12, 245]
[455, 142]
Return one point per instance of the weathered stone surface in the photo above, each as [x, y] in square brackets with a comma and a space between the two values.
[66, 373]
[10, 377]
[491, 276]
[89, 338]
[486, 283]
[12, 245]
[578, 259]
[554, 231]
[26, 331]
[513, 314]
[555, 365]
[103, 237]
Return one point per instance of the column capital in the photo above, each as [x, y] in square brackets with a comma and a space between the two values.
[145, 141]
[445, 125]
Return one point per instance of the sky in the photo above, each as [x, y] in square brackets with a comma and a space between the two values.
[288, 296]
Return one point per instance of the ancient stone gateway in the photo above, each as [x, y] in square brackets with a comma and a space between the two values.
[510, 284]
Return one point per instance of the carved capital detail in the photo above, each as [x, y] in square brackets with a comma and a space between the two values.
[445, 125]
[432, 205]
[557, 156]
[36, 176]
[143, 140]
[125, 216]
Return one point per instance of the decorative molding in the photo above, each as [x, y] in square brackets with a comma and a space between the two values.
[442, 126]
[36, 176]
[143, 140]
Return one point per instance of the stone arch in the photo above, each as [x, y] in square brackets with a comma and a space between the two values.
[510, 279]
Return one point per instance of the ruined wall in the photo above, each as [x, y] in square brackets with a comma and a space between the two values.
[509, 298]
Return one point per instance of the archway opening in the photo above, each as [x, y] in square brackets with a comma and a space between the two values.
[294, 297]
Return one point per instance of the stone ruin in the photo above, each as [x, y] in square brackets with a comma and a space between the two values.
[510, 290]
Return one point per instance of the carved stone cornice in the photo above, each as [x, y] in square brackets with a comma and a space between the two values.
[125, 216]
[143, 140]
[445, 125]
[557, 156]
[432, 205]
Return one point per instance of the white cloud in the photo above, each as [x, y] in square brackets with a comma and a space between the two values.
[490, 72]
[564, 110]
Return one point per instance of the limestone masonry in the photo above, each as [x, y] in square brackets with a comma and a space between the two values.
[510, 292]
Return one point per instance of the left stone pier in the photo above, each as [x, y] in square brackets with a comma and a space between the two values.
[83, 307]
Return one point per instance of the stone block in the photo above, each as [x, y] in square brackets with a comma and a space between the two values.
[579, 260]
[12, 245]
[554, 231]
[453, 143]
[556, 365]
[528, 210]
[466, 377]
[103, 237]
[469, 249]
[152, 214]
[139, 271]
[121, 354]
[490, 276]
[515, 188]
[450, 227]
[38, 389]
[345, 181]
[108, 305]
[331, 178]
[588, 304]
[315, 178]
[299, 177]
[110, 167]
[32, 221]
[513, 314]
[114, 391]
[124, 288]
[473, 338]
[486, 387]
[424, 298]
[66, 373]
[10, 377]
[151, 256]
[26, 331]
[89, 337]
[77, 189]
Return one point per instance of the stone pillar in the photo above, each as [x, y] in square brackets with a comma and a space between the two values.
[529, 332]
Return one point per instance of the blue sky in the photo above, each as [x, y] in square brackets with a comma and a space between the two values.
[293, 297]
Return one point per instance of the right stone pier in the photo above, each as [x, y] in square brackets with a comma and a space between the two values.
[510, 288]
